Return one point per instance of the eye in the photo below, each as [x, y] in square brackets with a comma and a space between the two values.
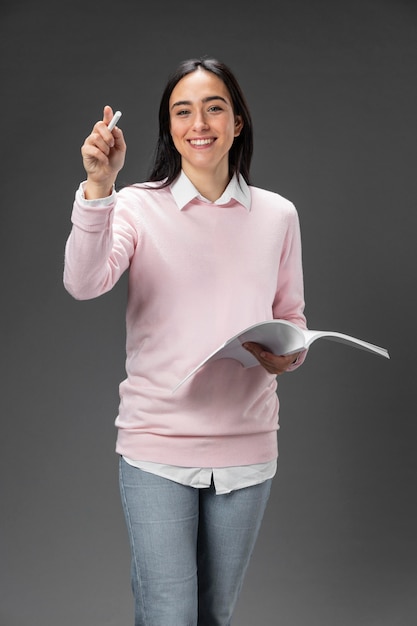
[215, 108]
[182, 112]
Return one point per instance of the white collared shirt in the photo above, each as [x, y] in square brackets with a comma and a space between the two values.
[184, 192]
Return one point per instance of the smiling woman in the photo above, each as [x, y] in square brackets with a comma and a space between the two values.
[208, 255]
[167, 164]
[203, 128]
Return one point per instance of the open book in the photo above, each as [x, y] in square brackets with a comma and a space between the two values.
[279, 337]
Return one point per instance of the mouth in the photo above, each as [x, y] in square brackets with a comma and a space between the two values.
[201, 142]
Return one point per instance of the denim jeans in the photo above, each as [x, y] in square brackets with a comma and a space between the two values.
[190, 547]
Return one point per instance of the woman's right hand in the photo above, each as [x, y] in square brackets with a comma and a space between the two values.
[103, 155]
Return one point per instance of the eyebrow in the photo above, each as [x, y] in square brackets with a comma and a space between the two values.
[208, 99]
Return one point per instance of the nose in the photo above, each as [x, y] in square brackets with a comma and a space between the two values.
[200, 121]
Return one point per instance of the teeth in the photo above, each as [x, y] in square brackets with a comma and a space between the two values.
[201, 142]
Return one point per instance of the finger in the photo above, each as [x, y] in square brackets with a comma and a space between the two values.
[252, 348]
[102, 143]
[272, 363]
[273, 366]
[93, 154]
[107, 114]
[258, 352]
[119, 140]
[95, 145]
[101, 129]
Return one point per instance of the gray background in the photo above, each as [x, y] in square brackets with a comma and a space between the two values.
[333, 91]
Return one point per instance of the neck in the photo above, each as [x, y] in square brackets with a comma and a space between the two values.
[211, 185]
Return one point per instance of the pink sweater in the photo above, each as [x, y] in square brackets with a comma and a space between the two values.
[198, 274]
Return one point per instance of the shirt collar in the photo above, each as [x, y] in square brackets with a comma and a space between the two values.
[184, 191]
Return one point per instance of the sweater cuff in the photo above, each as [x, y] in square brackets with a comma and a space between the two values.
[92, 215]
[98, 202]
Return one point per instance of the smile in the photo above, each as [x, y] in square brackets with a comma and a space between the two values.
[201, 142]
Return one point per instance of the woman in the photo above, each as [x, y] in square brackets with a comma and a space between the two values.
[208, 255]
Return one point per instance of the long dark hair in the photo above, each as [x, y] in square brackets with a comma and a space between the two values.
[167, 160]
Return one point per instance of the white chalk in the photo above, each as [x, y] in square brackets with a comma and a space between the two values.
[116, 117]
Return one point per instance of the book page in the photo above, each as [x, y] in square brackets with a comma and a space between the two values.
[313, 335]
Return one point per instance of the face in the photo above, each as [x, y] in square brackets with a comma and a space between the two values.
[203, 124]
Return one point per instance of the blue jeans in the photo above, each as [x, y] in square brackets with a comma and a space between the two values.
[190, 547]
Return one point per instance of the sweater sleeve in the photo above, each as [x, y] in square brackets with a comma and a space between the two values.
[100, 245]
[289, 298]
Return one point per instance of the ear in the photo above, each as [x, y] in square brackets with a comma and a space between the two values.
[238, 125]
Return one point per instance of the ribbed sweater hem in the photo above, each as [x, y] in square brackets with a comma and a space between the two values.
[222, 451]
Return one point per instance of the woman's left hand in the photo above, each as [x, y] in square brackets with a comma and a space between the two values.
[273, 363]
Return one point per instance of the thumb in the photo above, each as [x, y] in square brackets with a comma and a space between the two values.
[107, 114]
